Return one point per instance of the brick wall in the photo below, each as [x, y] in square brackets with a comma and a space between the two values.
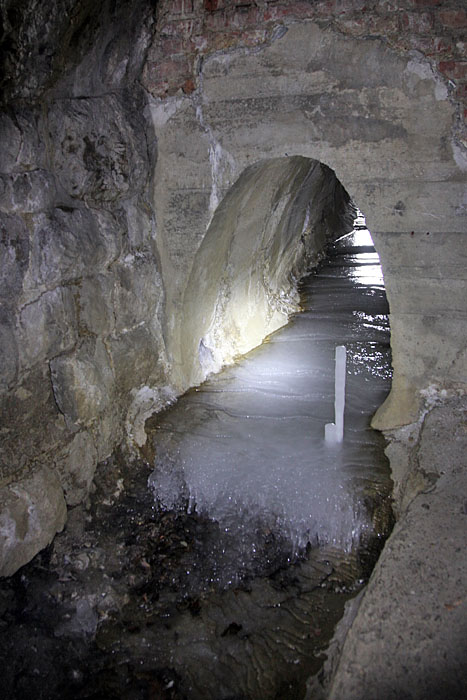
[190, 29]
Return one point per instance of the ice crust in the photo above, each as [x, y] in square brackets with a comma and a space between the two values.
[247, 447]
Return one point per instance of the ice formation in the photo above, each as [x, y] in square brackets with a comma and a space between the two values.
[247, 447]
[334, 432]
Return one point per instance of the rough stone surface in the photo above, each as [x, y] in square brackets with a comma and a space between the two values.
[81, 296]
[76, 468]
[408, 637]
[32, 510]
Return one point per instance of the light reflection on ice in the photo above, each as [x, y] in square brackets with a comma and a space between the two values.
[248, 445]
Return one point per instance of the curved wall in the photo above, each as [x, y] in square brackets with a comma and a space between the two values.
[271, 226]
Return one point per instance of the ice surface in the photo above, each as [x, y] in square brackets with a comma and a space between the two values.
[248, 446]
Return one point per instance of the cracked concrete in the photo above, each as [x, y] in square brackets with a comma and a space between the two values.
[408, 638]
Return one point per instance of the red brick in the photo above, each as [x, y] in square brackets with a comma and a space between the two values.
[454, 19]
[184, 28]
[388, 6]
[216, 21]
[171, 68]
[246, 16]
[426, 3]
[424, 44]
[381, 26]
[342, 7]
[172, 45]
[180, 7]
[325, 8]
[200, 43]
[294, 9]
[253, 37]
[461, 91]
[354, 27]
[223, 40]
[453, 69]
[440, 45]
[421, 23]
[430, 46]
[189, 86]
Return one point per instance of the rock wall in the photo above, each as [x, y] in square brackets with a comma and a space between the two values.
[82, 350]
[127, 129]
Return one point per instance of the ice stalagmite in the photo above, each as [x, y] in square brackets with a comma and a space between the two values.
[334, 432]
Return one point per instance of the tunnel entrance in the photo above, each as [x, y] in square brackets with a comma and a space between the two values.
[270, 228]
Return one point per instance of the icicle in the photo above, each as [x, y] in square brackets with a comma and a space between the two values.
[334, 432]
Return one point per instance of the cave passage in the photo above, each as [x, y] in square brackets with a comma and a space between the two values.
[247, 447]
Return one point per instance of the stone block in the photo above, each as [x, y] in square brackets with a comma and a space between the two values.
[8, 349]
[27, 192]
[140, 223]
[76, 467]
[70, 243]
[137, 289]
[47, 326]
[30, 425]
[429, 349]
[83, 382]
[135, 359]
[97, 153]
[14, 254]
[32, 510]
[22, 149]
[95, 305]
[10, 138]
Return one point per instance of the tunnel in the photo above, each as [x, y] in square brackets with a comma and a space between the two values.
[168, 173]
[270, 228]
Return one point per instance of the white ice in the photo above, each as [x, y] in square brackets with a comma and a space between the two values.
[334, 432]
[248, 445]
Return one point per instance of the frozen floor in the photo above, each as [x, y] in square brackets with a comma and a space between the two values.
[247, 447]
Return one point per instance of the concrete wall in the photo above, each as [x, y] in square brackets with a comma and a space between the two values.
[383, 123]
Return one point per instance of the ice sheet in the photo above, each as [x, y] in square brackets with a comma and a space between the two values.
[248, 447]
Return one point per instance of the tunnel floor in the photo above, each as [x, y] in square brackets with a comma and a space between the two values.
[177, 592]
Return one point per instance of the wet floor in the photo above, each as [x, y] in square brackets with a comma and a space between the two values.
[198, 595]
[247, 448]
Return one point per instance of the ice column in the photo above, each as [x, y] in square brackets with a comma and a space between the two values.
[334, 432]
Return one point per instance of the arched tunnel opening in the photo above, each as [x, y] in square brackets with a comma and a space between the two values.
[278, 222]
